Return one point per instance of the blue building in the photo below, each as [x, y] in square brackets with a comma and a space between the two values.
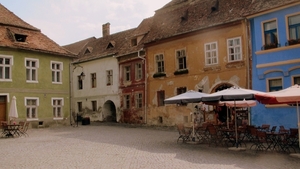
[275, 40]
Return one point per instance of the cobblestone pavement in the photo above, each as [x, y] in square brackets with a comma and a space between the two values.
[118, 147]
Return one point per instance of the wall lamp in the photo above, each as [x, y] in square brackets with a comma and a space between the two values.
[82, 76]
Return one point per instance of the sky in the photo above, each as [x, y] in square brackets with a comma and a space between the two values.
[69, 21]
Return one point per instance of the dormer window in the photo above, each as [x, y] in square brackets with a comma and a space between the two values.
[20, 38]
[134, 42]
[111, 45]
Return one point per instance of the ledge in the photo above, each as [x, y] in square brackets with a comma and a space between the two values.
[181, 71]
[159, 74]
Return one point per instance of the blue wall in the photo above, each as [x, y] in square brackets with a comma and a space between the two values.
[260, 114]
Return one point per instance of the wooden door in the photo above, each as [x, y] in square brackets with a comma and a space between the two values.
[2, 108]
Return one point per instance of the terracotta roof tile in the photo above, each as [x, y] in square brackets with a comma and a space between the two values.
[184, 16]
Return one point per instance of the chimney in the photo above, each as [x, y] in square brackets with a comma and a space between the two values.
[106, 29]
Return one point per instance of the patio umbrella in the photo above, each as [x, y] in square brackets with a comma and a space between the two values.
[190, 96]
[13, 112]
[231, 94]
[290, 95]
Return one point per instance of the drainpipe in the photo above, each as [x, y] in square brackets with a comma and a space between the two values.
[145, 71]
[71, 93]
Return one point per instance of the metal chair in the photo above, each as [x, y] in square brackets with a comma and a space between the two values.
[184, 135]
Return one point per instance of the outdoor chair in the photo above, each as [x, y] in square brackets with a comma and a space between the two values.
[293, 137]
[184, 134]
[273, 129]
[283, 130]
[254, 137]
[263, 143]
[4, 128]
[214, 136]
[23, 128]
[265, 127]
[202, 133]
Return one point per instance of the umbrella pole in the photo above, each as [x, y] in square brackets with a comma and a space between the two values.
[298, 116]
[235, 123]
[227, 118]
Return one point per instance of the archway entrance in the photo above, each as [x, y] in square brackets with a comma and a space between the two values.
[109, 112]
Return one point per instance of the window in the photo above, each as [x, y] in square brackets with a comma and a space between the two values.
[134, 42]
[296, 80]
[138, 71]
[234, 49]
[80, 82]
[181, 59]
[94, 105]
[138, 100]
[79, 106]
[56, 68]
[127, 73]
[211, 55]
[181, 90]
[31, 104]
[93, 80]
[126, 101]
[20, 37]
[160, 98]
[57, 104]
[275, 84]
[109, 77]
[31, 69]
[160, 65]
[294, 27]
[270, 33]
[6, 63]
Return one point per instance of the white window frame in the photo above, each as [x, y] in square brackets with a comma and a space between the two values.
[127, 72]
[93, 80]
[31, 107]
[264, 32]
[31, 69]
[236, 54]
[182, 55]
[293, 79]
[274, 78]
[109, 77]
[159, 59]
[138, 100]
[289, 26]
[56, 107]
[211, 60]
[6, 66]
[92, 103]
[56, 72]
[138, 71]
[126, 99]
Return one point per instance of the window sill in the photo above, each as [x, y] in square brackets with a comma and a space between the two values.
[235, 64]
[159, 74]
[35, 119]
[282, 48]
[58, 118]
[181, 71]
[212, 68]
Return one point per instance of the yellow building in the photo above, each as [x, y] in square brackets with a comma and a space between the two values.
[192, 48]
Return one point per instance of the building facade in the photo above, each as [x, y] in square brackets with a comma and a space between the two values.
[275, 35]
[35, 70]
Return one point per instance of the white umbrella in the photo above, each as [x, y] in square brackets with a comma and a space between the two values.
[13, 112]
[231, 94]
[190, 96]
[290, 95]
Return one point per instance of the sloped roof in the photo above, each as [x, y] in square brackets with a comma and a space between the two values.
[99, 47]
[184, 16]
[142, 30]
[10, 24]
[77, 47]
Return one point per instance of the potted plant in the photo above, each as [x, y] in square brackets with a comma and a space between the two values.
[181, 71]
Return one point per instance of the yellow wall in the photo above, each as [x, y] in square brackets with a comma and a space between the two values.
[234, 73]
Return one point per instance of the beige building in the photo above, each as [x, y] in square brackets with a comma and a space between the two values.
[194, 45]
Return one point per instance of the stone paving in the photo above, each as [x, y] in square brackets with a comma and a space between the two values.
[103, 146]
